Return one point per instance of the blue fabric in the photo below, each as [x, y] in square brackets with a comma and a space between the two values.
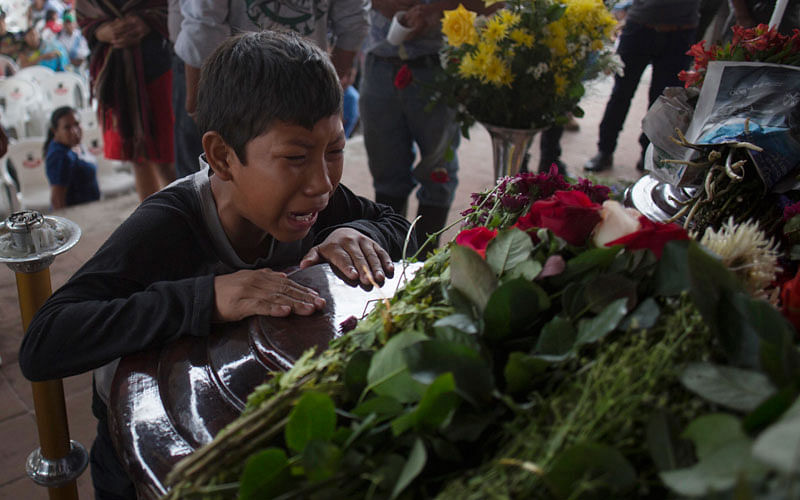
[394, 121]
[350, 110]
[65, 168]
[638, 47]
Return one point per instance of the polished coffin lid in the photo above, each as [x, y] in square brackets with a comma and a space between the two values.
[166, 402]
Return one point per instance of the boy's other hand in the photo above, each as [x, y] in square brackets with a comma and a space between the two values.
[261, 292]
[354, 254]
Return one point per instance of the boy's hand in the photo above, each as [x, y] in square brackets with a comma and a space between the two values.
[261, 292]
[354, 254]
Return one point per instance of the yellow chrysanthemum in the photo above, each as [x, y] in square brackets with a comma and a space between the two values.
[495, 30]
[493, 70]
[459, 26]
[485, 49]
[521, 37]
[557, 39]
[560, 83]
[468, 68]
[508, 18]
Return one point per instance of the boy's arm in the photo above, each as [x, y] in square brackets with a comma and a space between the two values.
[140, 289]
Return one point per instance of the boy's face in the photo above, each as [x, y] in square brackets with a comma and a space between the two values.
[290, 175]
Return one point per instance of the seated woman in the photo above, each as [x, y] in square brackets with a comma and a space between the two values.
[73, 178]
[48, 53]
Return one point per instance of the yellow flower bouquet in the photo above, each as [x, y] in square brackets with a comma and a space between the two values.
[523, 66]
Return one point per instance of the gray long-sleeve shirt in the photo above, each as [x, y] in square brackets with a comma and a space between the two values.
[207, 23]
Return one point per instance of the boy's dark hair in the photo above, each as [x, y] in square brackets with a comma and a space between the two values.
[255, 78]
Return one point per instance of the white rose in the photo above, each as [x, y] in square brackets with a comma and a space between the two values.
[617, 222]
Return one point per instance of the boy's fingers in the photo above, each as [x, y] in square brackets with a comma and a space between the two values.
[312, 257]
[386, 260]
[375, 265]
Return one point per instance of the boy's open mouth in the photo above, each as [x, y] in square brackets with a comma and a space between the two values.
[303, 216]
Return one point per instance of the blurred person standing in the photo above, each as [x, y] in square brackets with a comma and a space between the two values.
[395, 120]
[207, 23]
[52, 25]
[188, 145]
[657, 32]
[37, 11]
[131, 78]
[10, 43]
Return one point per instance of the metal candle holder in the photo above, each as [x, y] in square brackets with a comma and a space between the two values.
[29, 242]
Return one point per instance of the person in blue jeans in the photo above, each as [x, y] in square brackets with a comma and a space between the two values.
[395, 121]
[657, 32]
[73, 179]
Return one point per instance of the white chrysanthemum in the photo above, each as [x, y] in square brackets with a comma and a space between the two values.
[747, 252]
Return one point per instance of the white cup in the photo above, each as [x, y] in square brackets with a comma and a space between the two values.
[397, 32]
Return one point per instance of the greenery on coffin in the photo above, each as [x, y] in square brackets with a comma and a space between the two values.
[528, 359]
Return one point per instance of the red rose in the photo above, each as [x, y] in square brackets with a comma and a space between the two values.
[790, 301]
[440, 175]
[403, 78]
[570, 215]
[652, 235]
[477, 238]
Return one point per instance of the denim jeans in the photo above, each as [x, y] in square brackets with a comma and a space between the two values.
[639, 46]
[188, 146]
[395, 120]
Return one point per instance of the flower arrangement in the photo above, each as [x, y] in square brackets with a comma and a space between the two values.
[572, 350]
[523, 66]
[761, 43]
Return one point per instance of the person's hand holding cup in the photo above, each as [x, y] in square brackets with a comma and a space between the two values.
[398, 31]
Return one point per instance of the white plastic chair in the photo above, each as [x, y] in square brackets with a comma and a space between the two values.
[26, 155]
[114, 177]
[21, 102]
[64, 89]
[35, 73]
[8, 66]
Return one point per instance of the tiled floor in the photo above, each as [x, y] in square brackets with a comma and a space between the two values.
[17, 423]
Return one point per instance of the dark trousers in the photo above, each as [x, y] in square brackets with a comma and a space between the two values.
[188, 146]
[639, 46]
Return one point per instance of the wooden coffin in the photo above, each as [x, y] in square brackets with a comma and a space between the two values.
[169, 401]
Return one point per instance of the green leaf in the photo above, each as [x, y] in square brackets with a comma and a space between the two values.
[672, 273]
[644, 316]
[320, 459]
[527, 270]
[355, 374]
[603, 465]
[434, 409]
[412, 468]
[592, 330]
[604, 288]
[513, 308]
[778, 445]
[596, 259]
[557, 337]
[713, 431]
[388, 373]
[718, 473]
[667, 450]
[265, 475]
[314, 417]
[770, 410]
[520, 370]
[728, 386]
[473, 377]
[508, 249]
[471, 275]
[458, 321]
[382, 406]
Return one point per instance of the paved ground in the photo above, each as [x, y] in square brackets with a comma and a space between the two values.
[97, 220]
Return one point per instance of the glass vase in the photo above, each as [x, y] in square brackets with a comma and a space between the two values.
[509, 146]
